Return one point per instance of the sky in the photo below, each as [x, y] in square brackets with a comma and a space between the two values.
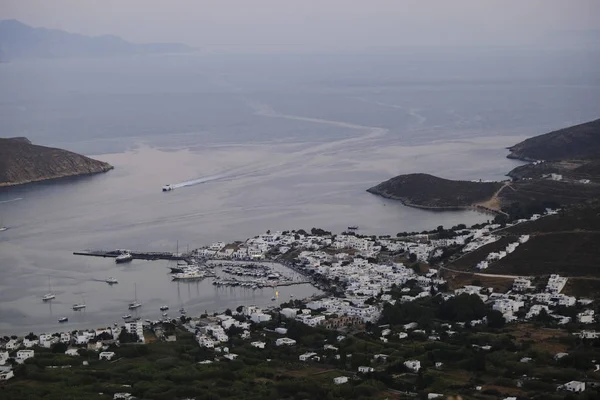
[312, 24]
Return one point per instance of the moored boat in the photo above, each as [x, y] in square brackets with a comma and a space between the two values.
[63, 319]
[164, 308]
[48, 296]
[79, 306]
[123, 258]
[126, 316]
[111, 281]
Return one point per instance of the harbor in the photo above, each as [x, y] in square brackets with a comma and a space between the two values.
[136, 255]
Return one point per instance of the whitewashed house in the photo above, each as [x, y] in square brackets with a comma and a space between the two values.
[574, 386]
[106, 355]
[365, 370]
[340, 380]
[285, 342]
[413, 365]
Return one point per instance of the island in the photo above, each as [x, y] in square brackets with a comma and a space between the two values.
[23, 162]
[563, 169]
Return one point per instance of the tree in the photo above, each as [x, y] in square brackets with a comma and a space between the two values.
[239, 309]
[412, 257]
[495, 319]
[228, 312]
[59, 347]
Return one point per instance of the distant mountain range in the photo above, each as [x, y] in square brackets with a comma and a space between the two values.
[20, 41]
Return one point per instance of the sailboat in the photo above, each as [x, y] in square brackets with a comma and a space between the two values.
[2, 227]
[181, 310]
[135, 304]
[50, 295]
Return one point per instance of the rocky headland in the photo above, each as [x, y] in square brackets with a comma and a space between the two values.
[23, 162]
[563, 169]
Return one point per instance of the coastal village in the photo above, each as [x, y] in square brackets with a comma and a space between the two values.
[367, 282]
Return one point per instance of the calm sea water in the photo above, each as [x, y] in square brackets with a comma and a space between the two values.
[253, 143]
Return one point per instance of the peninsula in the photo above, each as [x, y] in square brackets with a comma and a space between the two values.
[23, 162]
[563, 169]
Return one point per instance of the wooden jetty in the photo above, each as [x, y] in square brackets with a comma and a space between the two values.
[137, 255]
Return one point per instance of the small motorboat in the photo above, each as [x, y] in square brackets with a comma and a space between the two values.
[164, 308]
[78, 307]
[164, 314]
[111, 281]
[273, 299]
[127, 316]
[167, 188]
[353, 227]
[63, 319]
[182, 311]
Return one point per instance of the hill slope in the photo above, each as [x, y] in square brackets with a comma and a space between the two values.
[428, 191]
[22, 162]
[573, 143]
[18, 40]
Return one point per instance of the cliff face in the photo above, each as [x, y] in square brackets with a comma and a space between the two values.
[23, 162]
[579, 142]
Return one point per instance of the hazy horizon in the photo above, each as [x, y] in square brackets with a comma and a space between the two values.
[330, 25]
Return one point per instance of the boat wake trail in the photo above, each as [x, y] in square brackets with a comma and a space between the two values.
[206, 179]
[11, 200]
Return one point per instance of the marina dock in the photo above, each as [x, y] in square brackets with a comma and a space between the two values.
[137, 255]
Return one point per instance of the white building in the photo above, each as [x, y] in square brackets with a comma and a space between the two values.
[6, 375]
[259, 317]
[3, 357]
[413, 365]
[205, 341]
[289, 312]
[306, 356]
[574, 386]
[72, 352]
[365, 370]
[135, 328]
[25, 354]
[586, 317]
[521, 284]
[285, 342]
[556, 283]
[107, 355]
[258, 345]
[12, 345]
[340, 380]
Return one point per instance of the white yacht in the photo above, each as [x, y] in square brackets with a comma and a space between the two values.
[126, 316]
[167, 188]
[48, 296]
[135, 304]
[111, 281]
[164, 308]
[3, 228]
[123, 258]
[189, 275]
[80, 306]
[63, 319]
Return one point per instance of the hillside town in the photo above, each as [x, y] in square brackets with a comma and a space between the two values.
[368, 282]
